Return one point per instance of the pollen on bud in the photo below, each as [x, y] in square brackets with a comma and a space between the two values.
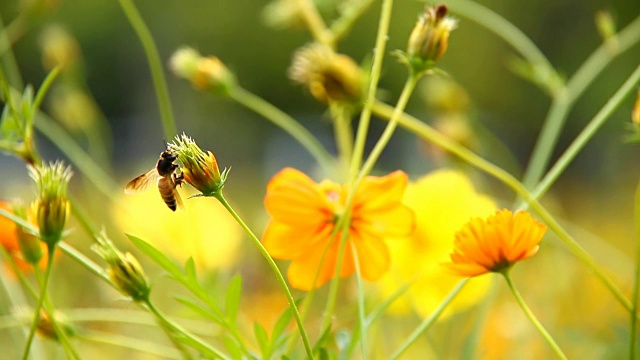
[52, 207]
[204, 73]
[124, 270]
[200, 169]
[429, 39]
[330, 77]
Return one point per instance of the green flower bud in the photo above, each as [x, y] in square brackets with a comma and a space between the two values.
[200, 169]
[204, 73]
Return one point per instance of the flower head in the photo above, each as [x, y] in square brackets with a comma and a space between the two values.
[443, 201]
[200, 169]
[495, 244]
[204, 73]
[52, 206]
[429, 38]
[124, 270]
[304, 215]
[329, 76]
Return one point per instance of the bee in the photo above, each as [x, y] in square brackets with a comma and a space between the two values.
[164, 174]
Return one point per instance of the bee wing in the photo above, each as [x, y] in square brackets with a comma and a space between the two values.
[142, 182]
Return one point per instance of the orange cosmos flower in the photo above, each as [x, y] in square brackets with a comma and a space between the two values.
[494, 244]
[10, 240]
[304, 214]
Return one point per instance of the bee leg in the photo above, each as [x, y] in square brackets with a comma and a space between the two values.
[177, 179]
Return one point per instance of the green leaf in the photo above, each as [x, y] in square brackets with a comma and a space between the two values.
[232, 347]
[277, 338]
[190, 269]
[263, 340]
[200, 310]
[159, 258]
[232, 299]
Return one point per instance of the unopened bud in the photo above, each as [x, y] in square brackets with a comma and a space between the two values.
[59, 49]
[200, 169]
[330, 77]
[124, 270]
[52, 207]
[429, 39]
[204, 73]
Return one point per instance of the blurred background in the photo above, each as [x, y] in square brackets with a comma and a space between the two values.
[116, 120]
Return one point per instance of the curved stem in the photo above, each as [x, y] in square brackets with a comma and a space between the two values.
[344, 136]
[196, 342]
[362, 316]
[315, 23]
[155, 66]
[426, 324]
[41, 297]
[341, 26]
[562, 103]
[332, 297]
[286, 123]
[533, 318]
[431, 135]
[128, 342]
[274, 268]
[376, 67]
[586, 134]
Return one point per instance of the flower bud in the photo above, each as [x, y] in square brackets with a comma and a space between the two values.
[199, 168]
[429, 39]
[30, 246]
[124, 270]
[330, 77]
[59, 49]
[52, 207]
[204, 73]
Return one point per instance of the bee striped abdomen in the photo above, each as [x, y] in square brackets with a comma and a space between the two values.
[167, 191]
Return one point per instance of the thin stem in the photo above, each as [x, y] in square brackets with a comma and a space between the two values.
[344, 136]
[274, 268]
[362, 316]
[636, 282]
[533, 318]
[6, 55]
[315, 23]
[332, 298]
[409, 86]
[431, 135]
[286, 123]
[426, 324]
[41, 297]
[195, 341]
[586, 134]
[155, 66]
[562, 103]
[353, 12]
[376, 67]
[128, 342]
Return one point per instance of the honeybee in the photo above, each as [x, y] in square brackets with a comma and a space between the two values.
[164, 174]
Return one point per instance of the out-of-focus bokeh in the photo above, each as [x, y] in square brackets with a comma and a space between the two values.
[105, 99]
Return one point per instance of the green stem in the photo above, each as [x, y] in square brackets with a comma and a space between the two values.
[344, 136]
[504, 29]
[533, 318]
[409, 86]
[128, 342]
[431, 135]
[194, 341]
[562, 103]
[315, 23]
[274, 268]
[41, 297]
[376, 67]
[6, 55]
[353, 12]
[362, 317]
[636, 282]
[426, 324]
[586, 134]
[334, 287]
[285, 122]
[155, 66]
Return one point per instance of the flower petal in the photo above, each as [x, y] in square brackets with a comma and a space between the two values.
[373, 255]
[288, 242]
[376, 193]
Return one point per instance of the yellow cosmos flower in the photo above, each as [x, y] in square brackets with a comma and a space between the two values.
[495, 244]
[443, 201]
[203, 230]
[304, 214]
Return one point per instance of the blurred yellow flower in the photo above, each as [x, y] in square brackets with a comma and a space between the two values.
[443, 201]
[304, 214]
[495, 244]
[203, 230]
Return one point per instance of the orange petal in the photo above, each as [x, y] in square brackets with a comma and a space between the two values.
[380, 192]
[292, 197]
[393, 221]
[303, 269]
[287, 242]
[373, 255]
